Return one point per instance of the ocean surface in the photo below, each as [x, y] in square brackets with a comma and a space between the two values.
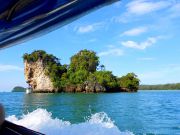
[141, 113]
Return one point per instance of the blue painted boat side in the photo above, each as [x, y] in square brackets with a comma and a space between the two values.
[38, 17]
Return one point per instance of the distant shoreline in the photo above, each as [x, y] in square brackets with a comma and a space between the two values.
[173, 86]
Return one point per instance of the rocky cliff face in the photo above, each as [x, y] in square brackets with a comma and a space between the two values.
[86, 87]
[35, 76]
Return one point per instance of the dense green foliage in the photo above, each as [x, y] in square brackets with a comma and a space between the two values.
[82, 64]
[40, 54]
[104, 78]
[84, 60]
[19, 89]
[129, 81]
[82, 68]
[78, 77]
[175, 86]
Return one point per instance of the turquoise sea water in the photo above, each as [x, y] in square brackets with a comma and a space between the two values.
[144, 112]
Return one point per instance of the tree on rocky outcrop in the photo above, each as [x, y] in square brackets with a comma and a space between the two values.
[41, 55]
[104, 78]
[84, 60]
[82, 64]
[129, 82]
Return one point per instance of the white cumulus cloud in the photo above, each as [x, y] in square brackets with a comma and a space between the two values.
[135, 31]
[112, 52]
[142, 45]
[85, 29]
[88, 28]
[141, 7]
[137, 8]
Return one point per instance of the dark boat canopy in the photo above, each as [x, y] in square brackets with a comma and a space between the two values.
[22, 20]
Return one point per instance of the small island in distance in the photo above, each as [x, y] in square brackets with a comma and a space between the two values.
[45, 73]
[19, 89]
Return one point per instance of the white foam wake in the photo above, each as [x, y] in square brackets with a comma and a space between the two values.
[41, 120]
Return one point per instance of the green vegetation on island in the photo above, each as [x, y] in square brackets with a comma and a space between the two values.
[19, 89]
[130, 81]
[175, 86]
[84, 68]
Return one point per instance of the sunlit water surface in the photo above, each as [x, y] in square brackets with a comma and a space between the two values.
[144, 112]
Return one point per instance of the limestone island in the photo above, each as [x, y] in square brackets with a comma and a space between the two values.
[45, 74]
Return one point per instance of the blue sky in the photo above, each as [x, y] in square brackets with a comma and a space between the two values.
[140, 36]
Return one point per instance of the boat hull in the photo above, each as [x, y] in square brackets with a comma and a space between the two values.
[40, 17]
